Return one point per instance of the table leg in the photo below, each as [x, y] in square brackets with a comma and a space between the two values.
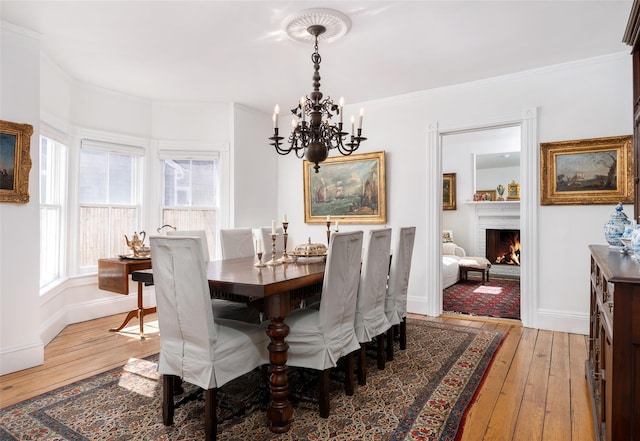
[280, 410]
[140, 312]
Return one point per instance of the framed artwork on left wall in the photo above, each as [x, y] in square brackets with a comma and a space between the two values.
[449, 191]
[15, 161]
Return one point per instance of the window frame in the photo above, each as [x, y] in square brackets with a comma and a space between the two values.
[59, 166]
[112, 144]
[218, 210]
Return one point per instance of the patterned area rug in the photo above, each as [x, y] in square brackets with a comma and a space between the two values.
[422, 395]
[497, 298]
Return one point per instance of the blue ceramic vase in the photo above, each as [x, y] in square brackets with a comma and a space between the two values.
[614, 228]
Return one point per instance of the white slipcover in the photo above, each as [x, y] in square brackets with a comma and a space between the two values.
[221, 308]
[236, 243]
[371, 320]
[194, 346]
[319, 338]
[396, 298]
[194, 233]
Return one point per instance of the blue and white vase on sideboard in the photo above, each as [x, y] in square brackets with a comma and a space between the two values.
[614, 228]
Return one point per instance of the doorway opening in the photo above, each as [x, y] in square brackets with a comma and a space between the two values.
[485, 161]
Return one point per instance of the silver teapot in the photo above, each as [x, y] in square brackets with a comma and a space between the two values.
[137, 244]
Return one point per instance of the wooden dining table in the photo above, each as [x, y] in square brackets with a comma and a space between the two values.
[275, 291]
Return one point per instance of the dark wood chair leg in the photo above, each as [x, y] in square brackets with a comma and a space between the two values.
[390, 344]
[210, 422]
[381, 354]
[323, 386]
[403, 334]
[168, 405]
[348, 378]
[362, 365]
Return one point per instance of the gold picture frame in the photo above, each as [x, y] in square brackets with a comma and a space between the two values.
[15, 161]
[587, 171]
[351, 189]
[485, 195]
[513, 191]
[449, 191]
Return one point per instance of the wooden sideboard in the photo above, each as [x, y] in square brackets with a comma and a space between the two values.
[613, 366]
[113, 276]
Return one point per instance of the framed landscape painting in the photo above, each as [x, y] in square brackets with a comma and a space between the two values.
[587, 171]
[449, 191]
[15, 161]
[350, 189]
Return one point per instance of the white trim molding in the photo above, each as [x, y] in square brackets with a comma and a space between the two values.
[527, 120]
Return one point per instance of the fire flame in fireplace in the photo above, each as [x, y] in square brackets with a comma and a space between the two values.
[512, 255]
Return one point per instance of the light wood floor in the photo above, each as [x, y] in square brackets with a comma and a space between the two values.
[535, 389]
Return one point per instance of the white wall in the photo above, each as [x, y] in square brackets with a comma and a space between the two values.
[586, 99]
[19, 223]
[256, 170]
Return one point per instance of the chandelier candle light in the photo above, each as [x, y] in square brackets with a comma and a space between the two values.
[314, 133]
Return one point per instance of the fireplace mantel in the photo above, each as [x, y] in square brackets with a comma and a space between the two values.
[498, 208]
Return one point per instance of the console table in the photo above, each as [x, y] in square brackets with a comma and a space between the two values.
[113, 276]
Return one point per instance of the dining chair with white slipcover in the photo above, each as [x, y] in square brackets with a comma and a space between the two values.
[236, 243]
[318, 338]
[371, 322]
[195, 346]
[396, 298]
[221, 308]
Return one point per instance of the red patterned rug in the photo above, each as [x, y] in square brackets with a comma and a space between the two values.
[423, 394]
[497, 298]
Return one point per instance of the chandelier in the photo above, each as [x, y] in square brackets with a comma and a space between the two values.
[314, 132]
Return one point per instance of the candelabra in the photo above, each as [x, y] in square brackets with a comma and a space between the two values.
[273, 261]
[285, 257]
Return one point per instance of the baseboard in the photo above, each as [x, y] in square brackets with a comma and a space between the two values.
[18, 358]
[562, 321]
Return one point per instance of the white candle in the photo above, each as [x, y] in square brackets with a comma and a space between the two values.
[337, 222]
[360, 120]
[328, 218]
[276, 114]
[303, 103]
[284, 218]
[259, 245]
[341, 105]
[273, 226]
[353, 120]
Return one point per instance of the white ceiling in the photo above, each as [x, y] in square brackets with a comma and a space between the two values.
[224, 51]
